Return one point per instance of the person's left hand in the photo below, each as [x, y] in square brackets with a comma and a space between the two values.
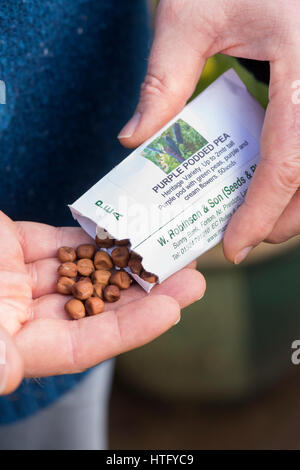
[40, 339]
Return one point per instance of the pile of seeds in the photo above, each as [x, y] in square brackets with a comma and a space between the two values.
[93, 275]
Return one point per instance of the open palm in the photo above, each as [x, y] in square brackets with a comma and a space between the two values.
[40, 339]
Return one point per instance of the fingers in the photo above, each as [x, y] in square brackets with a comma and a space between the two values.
[186, 286]
[175, 64]
[14, 312]
[14, 284]
[11, 364]
[11, 256]
[43, 271]
[277, 177]
[51, 347]
[50, 306]
[42, 241]
[288, 224]
[192, 265]
[44, 276]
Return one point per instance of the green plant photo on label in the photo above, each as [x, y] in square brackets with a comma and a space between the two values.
[175, 145]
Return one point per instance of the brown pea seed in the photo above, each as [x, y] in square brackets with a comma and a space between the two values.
[102, 260]
[66, 253]
[111, 293]
[105, 242]
[148, 277]
[75, 309]
[67, 269]
[85, 267]
[64, 285]
[120, 279]
[94, 306]
[101, 277]
[82, 290]
[98, 290]
[124, 242]
[94, 279]
[135, 264]
[85, 251]
[120, 256]
[85, 279]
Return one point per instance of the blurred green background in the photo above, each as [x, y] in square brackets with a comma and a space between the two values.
[229, 349]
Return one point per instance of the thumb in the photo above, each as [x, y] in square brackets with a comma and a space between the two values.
[11, 364]
[277, 177]
[174, 67]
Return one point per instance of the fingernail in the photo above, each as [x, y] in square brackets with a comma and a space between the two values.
[176, 323]
[3, 367]
[242, 255]
[130, 127]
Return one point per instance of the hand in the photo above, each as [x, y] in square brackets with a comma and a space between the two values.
[39, 338]
[187, 33]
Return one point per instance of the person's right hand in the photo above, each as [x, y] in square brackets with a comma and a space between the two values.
[187, 32]
[38, 337]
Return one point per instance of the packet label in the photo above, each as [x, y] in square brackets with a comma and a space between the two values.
[175, 194]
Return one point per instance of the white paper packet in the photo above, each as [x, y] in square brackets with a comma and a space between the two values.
[174, 195]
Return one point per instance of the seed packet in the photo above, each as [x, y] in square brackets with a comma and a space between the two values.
[174, 195]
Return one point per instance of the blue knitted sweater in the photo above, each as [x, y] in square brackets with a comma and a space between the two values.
[72, 70]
